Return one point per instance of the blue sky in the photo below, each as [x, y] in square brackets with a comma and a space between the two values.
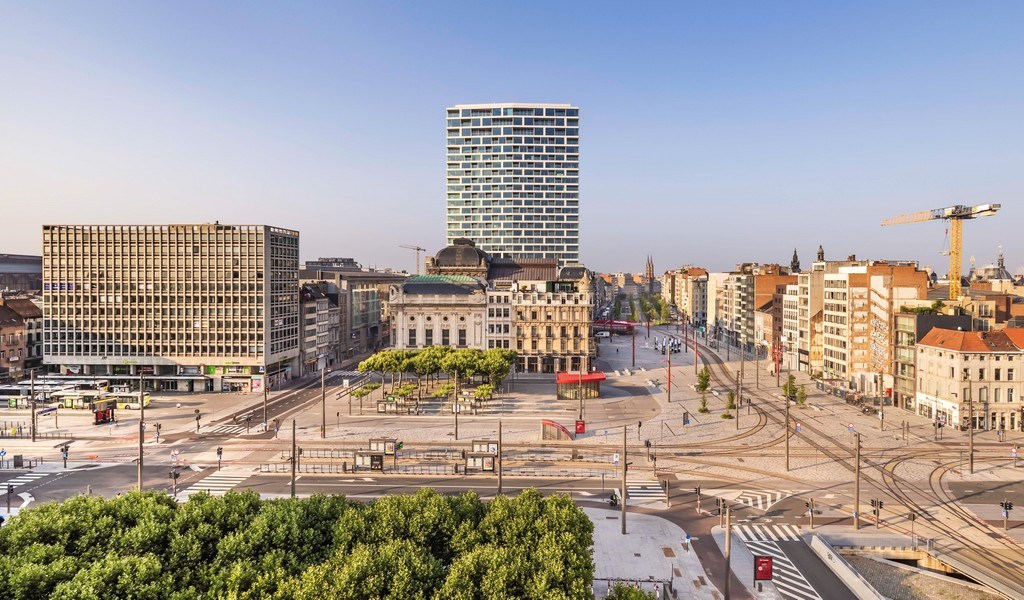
[711, 133]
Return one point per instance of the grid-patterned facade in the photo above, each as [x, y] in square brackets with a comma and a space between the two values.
[513, 179]
[219, 302]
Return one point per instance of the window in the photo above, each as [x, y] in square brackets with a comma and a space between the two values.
[997, 374]
[462, 337]
[412, 336]
[1009, 394]
[428, 337]
[446, 337]
[981, 374]
[1009, 374]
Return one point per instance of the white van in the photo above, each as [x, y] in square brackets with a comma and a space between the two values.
[603, 334]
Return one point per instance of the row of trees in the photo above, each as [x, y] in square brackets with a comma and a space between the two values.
[145, 545]
[427, 364]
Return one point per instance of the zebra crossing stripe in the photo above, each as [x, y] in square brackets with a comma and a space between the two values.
[789, 581]
[769, 533]
[216, 484]
[23, 479]
[227, 429]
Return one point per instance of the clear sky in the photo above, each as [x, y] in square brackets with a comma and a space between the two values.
[711, 133]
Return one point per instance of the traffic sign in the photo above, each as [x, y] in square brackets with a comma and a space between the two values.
[849, 427]
[3, 452]
[46, 411]
[762, 568]
[615, 459]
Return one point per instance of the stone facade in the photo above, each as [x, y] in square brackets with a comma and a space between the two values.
[960, 372]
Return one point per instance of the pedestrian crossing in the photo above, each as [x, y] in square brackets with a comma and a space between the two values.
[228, 429]
[645, 490]
[788, 580]
[24, 478]
[768, 533]
[216, 484]
[346, 374]
[759, 499]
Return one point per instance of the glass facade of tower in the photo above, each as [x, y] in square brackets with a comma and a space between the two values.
[513, 179]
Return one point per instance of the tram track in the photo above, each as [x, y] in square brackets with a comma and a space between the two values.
[900, 488]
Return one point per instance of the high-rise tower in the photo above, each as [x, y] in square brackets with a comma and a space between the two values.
[513, 179]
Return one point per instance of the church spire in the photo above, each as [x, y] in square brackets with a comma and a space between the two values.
[821, 254]
[794, 265]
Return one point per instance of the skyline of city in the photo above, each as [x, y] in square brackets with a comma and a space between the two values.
[702, 126]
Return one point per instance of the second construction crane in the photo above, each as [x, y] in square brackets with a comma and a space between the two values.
[418, 250]
[956, 216]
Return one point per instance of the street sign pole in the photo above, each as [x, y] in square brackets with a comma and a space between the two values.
[728, 553]
[856, 484]
[624, 467]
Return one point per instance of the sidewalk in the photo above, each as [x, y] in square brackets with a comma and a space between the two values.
[652, 552]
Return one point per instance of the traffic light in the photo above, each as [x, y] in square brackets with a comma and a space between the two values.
[696, 490]
[220, 451]
[10, 490]
[1006, 505]
[880, 504]
[399, 445]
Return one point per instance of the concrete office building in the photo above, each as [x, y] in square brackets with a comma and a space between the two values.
[513, 179]
[205, 307]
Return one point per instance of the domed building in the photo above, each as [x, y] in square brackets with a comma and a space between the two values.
[470, 299]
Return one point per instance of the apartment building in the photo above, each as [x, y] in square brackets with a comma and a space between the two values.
[890, 288]
[192, 307]
[791, 326]
[745, 290]
[318, 344]
[910, 327]
[361, 295]
[24, 343]
[960, 373]
[513, 179]
[686, 288]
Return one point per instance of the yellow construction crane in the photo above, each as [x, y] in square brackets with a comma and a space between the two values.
[956, 216]
[418, 250]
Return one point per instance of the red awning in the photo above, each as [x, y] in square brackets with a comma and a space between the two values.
[574, 377]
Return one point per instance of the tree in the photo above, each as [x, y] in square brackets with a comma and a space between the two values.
[789, 388]
[703, 403]
[801, 395]
[624, 592]
[484, 392]
[730, 402]
[665, 313]
[703, 380]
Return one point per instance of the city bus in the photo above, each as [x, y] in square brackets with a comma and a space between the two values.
[127, 400]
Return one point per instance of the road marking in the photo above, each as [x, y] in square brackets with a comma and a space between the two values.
[792, 585]
[769, 533]
[22, 479]
[229, 429]
[216, 484]
[645, 490]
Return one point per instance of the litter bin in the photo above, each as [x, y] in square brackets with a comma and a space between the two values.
[19, 462]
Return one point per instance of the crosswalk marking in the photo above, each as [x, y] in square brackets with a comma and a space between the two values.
[346, 373]
[759, 499]
[230, 429]
[22, 479]
[216, 484]
[645, 490]
[760, 540]
[769, 533]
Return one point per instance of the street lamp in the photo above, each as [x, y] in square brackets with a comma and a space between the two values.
[970, 423]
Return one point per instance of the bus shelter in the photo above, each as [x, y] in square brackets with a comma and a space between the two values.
[571, 385]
